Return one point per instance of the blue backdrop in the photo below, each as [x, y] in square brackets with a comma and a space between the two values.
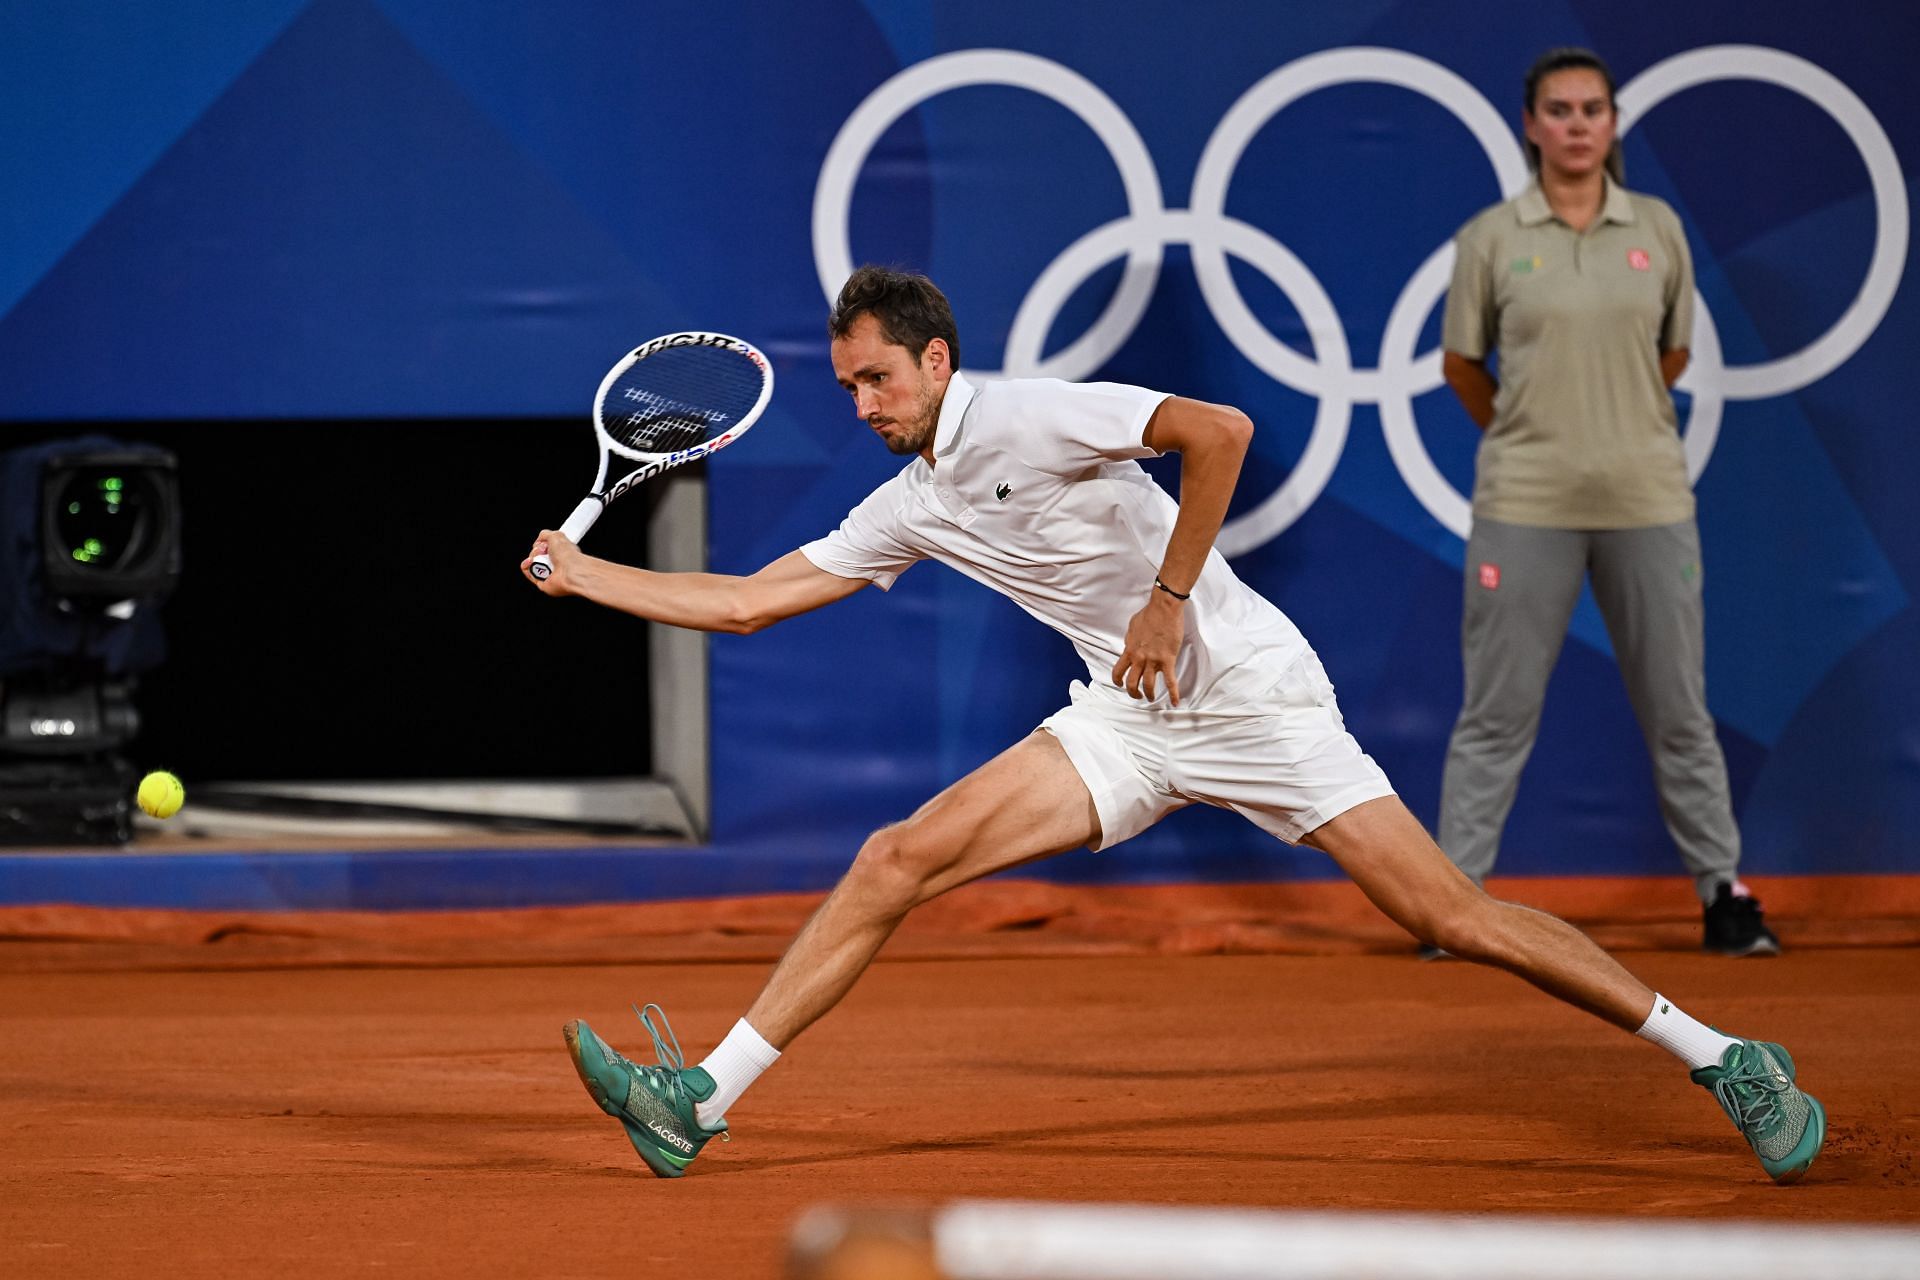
[395, 208]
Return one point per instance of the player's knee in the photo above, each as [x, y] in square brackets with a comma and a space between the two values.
[1446, 932]
[1470, 928]
[893, 867]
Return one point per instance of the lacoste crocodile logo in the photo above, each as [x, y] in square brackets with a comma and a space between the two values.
[673, 1139]
[1002, 490]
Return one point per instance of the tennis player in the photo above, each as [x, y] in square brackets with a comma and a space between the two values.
[1198, 690]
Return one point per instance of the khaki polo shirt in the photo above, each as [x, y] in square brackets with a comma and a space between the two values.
[1584, 434]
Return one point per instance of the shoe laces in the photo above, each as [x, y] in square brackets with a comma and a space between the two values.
[1752, 1092]
[666, 1048]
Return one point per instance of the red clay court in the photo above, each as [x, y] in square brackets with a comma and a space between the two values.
[342, 1094]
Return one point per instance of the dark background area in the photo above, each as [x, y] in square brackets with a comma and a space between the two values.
[350, 606]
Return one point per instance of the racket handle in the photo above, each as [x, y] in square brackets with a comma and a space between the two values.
[575, 529]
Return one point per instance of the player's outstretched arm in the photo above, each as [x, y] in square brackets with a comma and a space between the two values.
[790, 585]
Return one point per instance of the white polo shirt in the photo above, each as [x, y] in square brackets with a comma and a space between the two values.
[1036, 494]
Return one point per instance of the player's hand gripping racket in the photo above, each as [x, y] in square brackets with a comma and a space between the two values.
[672, 400]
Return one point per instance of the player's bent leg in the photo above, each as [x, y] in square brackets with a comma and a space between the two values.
[1026, 803]
[1393, 860]
[1390, 856]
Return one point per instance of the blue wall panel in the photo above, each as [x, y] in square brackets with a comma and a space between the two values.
[401, 208]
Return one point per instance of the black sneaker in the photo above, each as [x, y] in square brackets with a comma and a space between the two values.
[1735, 925]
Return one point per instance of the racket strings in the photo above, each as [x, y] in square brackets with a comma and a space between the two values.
[662, 429]
[679, 398]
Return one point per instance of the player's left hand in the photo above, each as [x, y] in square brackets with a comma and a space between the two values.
[1153, 643]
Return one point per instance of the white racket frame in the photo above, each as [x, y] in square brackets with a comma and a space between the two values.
[652, 464]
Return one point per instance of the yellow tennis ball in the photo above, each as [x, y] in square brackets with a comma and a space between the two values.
[161, 794]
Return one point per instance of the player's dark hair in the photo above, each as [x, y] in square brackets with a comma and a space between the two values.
[910, 308]
[1570, 59]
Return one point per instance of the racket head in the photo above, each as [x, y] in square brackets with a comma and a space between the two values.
[681, 396]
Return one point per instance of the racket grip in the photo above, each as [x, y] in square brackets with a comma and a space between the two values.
[575, 528]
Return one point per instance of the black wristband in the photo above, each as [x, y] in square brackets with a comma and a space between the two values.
[1177, 595]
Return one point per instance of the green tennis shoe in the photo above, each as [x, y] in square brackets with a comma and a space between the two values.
[1753, 1082]
[655, 1105]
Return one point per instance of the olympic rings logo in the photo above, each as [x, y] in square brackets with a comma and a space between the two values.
[1211, 235]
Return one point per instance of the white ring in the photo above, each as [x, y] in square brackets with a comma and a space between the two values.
[1250, 114]
[833, 197]
[1705, 378]
[1410, 457]
[1067, 272]
[1329, 373]
[1772, 66]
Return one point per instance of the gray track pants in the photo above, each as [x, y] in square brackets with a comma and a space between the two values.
[1521, 586]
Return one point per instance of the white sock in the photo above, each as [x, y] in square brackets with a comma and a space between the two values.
[1692, 1042]
[737, 1063]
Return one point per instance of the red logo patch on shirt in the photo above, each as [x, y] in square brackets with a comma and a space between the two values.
[1490, 576]
[1638, 260]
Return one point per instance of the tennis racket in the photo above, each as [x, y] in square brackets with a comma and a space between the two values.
[669, 401]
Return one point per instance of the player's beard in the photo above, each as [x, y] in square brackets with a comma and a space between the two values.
[915, 435]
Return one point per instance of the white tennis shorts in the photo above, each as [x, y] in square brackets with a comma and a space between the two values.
[1283, 760]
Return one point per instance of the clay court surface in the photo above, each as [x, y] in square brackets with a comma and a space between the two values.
[205, 1095]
